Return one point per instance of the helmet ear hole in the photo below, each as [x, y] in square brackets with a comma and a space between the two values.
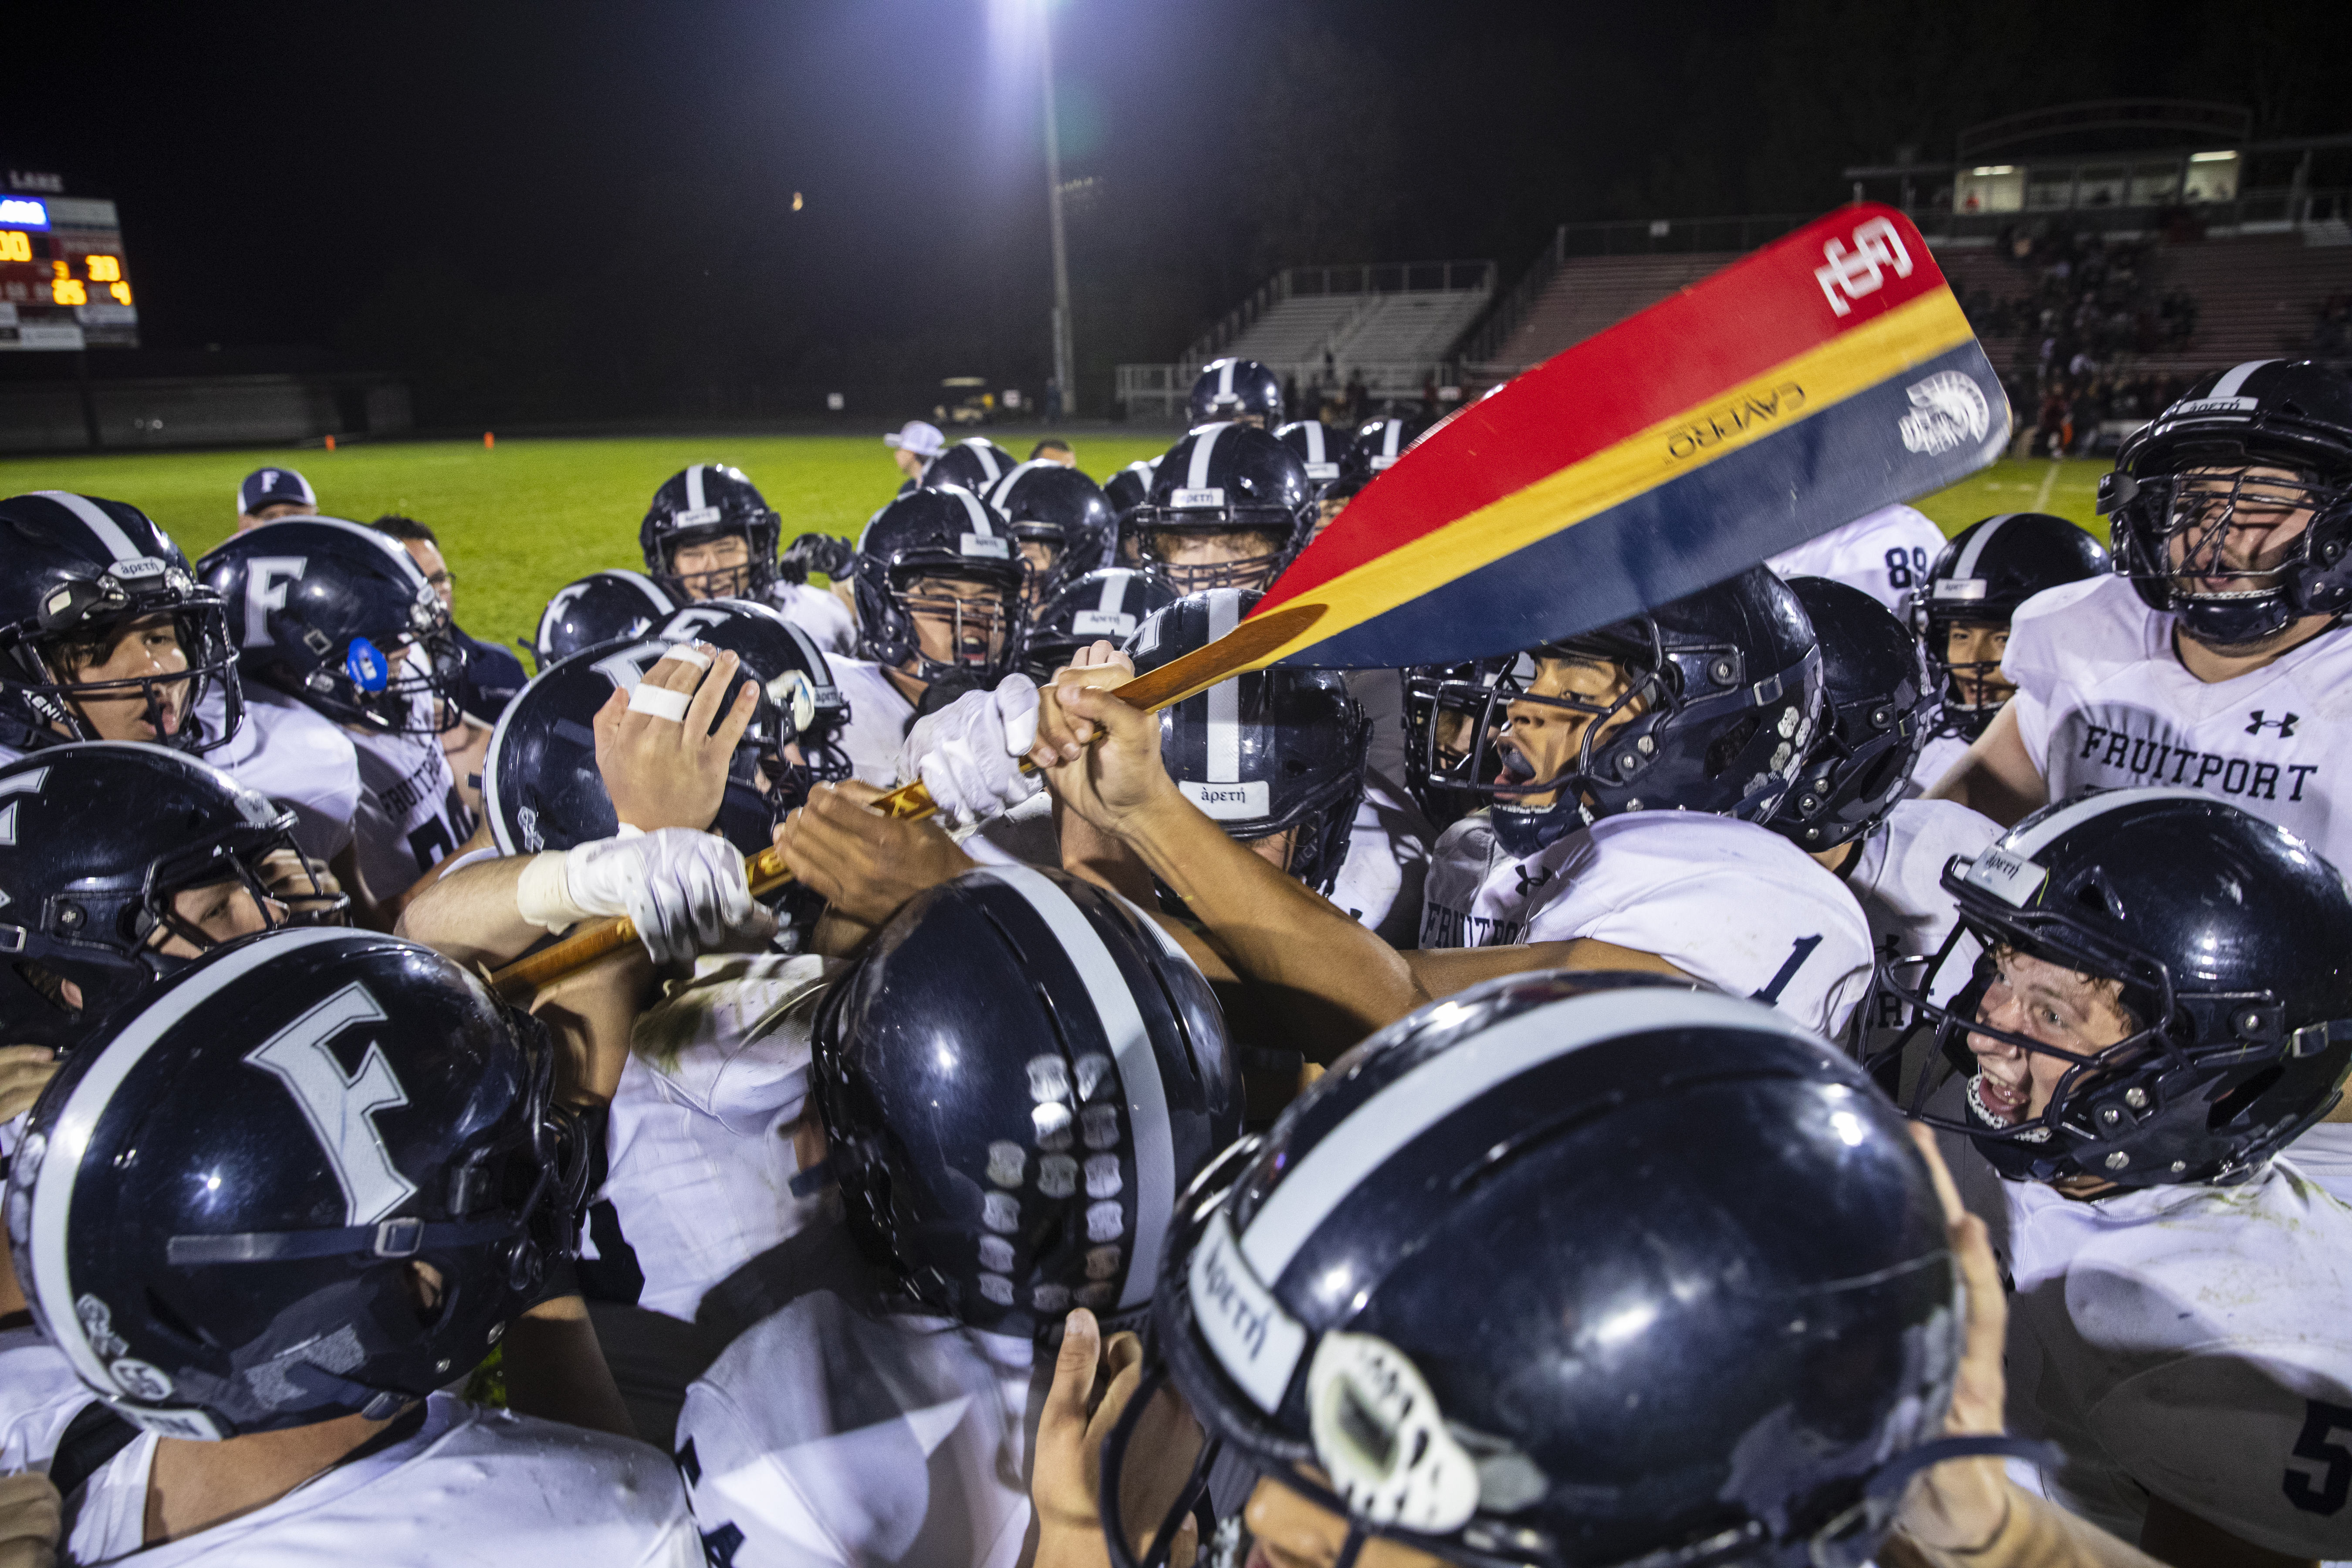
[2227, 1109]
[1729, 745]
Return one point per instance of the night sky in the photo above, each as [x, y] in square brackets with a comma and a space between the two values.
[599, 196]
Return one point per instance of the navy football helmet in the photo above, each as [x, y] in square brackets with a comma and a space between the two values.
[1061, 523]
[1241, 390]
[1980, 576]
[696, 505]
[2182, 480]
[1319, 446]
[2225, 935]
[75, 572]
[925, 536]
[1016, 1081]
[1722, 692]
[217, 1203]
[340, 618]
[97, 841]
[1458, 1261]
[1225, 480]
[1378, 445]
[598, 608]
[975, 463]
[1131, 487]
[1874, 719]
[1101, 606]
[541, 789]
[1269, 751]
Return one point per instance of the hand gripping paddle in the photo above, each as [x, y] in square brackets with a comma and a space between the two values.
[1248, 646]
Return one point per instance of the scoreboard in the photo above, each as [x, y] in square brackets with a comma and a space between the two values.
[64, 283]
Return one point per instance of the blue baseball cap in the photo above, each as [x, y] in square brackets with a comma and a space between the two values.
[273, 486]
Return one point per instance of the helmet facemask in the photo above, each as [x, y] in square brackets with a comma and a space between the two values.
[749, 578]
[1477, 731]
[1971, 691]
[2104, 1116]
[2205, 542]
[965, 634]
[1158, 530]
[83, 623]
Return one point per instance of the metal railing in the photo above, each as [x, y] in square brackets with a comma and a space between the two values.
[1353, 278]
[1153, 394]
[1490, 332]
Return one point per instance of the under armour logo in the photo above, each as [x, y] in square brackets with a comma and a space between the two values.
[2285, 727]
[1529, 884]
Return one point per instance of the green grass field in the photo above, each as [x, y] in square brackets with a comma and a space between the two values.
[519, 521]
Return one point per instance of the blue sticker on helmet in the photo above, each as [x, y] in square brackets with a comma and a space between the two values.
[367, 667]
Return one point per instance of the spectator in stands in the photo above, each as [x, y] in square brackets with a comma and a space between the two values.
[1358, 396]
[1053, 449]
[268, 494]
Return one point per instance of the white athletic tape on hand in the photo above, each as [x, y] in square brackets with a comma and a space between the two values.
[659, 701]
[687, 653]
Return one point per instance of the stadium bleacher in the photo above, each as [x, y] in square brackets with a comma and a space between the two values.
[2254, 297]
[1392, 326]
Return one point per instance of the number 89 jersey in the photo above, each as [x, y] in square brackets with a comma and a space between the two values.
[1885, 553]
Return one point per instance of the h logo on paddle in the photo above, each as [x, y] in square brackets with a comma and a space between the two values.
[1847, 275]
[2285, 727]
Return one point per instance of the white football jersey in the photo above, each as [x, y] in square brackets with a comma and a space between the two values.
[39, 1397]
[820, 614]
[410, 817]
[878, 719]
[1885, 553]
[470, 1486]
[1936, 759]
[2324, 1155]
[2191, 1341]
[2102, 702]
[298, 757]
[1381, 882]
[699, 1156]
[823, 1436]
[1723, 901]
[1897, 877]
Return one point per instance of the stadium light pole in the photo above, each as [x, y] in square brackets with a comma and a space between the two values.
[1062, 353]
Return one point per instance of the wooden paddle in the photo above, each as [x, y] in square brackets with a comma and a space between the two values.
[1249, 646]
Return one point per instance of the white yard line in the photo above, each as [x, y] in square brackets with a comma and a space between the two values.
[2042, 496]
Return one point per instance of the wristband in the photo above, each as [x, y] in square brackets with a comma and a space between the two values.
[659, 701]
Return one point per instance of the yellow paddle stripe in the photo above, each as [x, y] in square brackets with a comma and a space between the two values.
[1793, 391]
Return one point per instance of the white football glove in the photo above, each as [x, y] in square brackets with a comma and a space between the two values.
[685, 890]
[969, 753]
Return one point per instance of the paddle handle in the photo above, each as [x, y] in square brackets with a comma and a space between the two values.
[1246, 647]
[766, 871]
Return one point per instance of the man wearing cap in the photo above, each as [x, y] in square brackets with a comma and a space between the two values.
[268, 494]
[915, 444]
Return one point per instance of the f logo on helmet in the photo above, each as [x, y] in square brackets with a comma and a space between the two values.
[267, 580]
[341, 1110]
